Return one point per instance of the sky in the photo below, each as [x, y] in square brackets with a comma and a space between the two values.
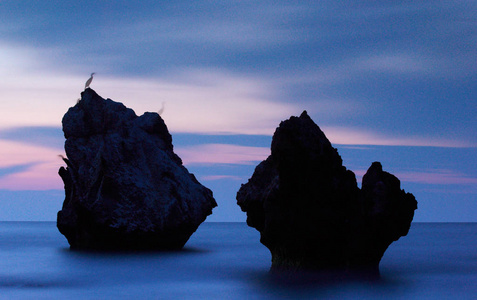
[388, 81]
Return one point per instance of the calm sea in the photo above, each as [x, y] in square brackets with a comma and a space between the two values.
[227, 261]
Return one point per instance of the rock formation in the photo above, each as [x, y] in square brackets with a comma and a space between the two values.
[311, 214]
[124, 186]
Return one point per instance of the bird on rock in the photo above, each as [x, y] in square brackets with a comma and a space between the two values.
[160, 111]
[88, 82]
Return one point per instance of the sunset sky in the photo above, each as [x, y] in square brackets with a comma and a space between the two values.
[388, 82]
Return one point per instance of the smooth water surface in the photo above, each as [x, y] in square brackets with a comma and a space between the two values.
[227, 261]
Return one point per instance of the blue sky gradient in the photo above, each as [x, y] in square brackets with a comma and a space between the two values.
[386, 81]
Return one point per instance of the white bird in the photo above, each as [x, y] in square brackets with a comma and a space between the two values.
[88, 82]
[162, 109]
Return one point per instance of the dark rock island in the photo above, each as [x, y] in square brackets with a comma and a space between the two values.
[311, 214]
[125, 188]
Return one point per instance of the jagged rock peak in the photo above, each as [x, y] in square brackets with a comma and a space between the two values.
[301, 136]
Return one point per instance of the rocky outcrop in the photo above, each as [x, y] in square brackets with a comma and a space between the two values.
[124, 186]
[311, 214]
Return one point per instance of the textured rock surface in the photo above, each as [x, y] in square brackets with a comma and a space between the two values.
[125, 188]
[309, 210]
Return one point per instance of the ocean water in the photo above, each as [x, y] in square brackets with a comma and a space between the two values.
[227, 261]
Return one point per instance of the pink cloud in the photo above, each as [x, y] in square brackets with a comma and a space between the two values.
[197, 101]
[203, 101]
[222, 154]
[40, 177]
[350, 136]
[43, 173]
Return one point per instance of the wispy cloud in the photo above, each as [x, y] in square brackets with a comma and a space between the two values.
[353, 136]
[215, 32]
[203, 101]
[19, 168]
[15, 60]
[37, 99]
[348, 69]
[29, 167]
[220, 177]
[43, 176]
[222, 154]
[46, 136]
[198, 100]
[190, 139]
[400, 63]
[431, 177]
[207, 102]
[440, 177]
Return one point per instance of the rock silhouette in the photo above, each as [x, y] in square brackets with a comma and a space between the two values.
[311, 214]
[125, 188]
